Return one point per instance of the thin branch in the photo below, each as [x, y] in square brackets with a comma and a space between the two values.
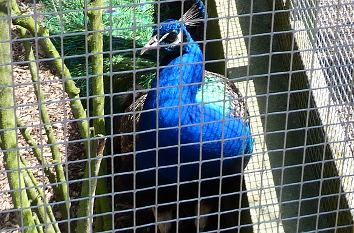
[37, 197]
[89, 186]
[36, 151]
[62, 188]
[38, 223]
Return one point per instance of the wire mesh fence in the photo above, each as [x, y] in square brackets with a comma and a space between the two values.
[176, 116]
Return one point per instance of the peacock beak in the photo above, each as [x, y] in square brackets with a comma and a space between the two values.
[151, 44]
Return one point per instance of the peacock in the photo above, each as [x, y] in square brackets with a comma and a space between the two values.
[191, 130]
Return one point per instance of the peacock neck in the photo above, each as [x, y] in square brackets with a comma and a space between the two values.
[182, 74]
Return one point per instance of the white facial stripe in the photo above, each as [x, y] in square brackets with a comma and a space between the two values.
[163, 37]
[179, 38]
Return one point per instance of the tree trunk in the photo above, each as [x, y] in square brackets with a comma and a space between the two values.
[8, 124]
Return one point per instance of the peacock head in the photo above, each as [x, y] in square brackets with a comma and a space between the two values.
[170, 34]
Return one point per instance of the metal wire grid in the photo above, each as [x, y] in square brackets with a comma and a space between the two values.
[331, 34]
[339, 47]
[254, 168]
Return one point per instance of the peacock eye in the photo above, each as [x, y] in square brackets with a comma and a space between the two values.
[171, 37]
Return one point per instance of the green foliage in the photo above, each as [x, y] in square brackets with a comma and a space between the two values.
[74, 48]
[63, 16]
[146, 79]
[125, 23]
[123, 18]
[129, 21]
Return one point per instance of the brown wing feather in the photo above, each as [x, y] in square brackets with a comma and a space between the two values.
[130, 119]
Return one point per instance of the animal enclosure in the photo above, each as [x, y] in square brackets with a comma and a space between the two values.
[177, 116]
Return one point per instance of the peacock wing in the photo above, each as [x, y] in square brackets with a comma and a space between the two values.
[218, 90]
[130, 120]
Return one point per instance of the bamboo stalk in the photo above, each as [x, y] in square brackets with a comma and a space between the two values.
[89, 186]
[36, 151]
[70, 88]
[8, 124]
[61, 191]
[37, 196]
[96, 46]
